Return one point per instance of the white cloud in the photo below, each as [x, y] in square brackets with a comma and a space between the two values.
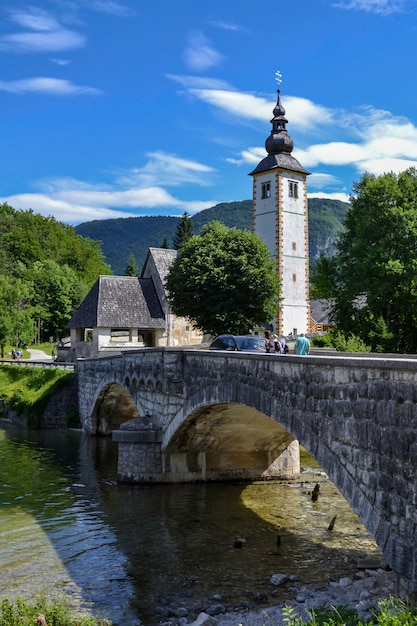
[228, 26]
[344, 197]
[61, 209]
[56, 41]
[51, 86]
[43, 34]
[110, 7]
[199, 55]
[380, 7]
[34, 19]
[383, 166]
[305, 114]
[135, 192]
[332, 153]
[168, 170]
[198, 82]
[60, 61]
[74, 207]
[321, 179]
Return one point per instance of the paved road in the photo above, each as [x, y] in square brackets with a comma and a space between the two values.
[38, 355]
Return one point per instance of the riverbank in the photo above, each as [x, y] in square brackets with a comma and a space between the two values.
[361, 593]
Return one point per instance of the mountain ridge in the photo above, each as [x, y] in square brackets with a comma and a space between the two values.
[125, 236]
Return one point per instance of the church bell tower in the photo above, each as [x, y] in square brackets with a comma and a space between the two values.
[280, 218]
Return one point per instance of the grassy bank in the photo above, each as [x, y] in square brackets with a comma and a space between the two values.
[42, 613]
[26, 389]
[391, 612]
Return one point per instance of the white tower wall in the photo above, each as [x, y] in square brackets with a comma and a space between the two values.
[280, 218]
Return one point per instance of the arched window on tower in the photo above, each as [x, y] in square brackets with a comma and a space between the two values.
[266, 190]
[292, 189]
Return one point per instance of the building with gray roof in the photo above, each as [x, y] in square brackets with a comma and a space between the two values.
[125, 312]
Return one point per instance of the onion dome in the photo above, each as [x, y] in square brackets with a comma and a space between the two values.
[279, 145]
[279, 139]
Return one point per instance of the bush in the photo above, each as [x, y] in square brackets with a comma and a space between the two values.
[55, 614]
[391, 612]
[348, 343]
[322, 341]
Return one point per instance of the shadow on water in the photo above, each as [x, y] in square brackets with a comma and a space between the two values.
[123, 552]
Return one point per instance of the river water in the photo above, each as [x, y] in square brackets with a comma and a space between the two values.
[69, 531]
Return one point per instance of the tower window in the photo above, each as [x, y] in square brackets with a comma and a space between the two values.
[294, 278]
[292, 189]
[294, 245]
[266, 190]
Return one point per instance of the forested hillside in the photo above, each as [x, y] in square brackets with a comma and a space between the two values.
[46, 269]
[123, 237]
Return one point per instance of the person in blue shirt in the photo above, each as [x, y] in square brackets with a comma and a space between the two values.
[302, 345]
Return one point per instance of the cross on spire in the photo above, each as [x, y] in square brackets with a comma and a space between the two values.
[278, 77]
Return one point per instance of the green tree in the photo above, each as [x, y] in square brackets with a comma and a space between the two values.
[224, 281]
[371, 280]
[58, 293]
[27, 237]
[164, 243]
[184, 231]
[131, 268]
[55, 267]
[17, 320]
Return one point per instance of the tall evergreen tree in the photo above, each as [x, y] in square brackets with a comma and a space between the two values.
[164, 243]
[131, 267]
[184, 231]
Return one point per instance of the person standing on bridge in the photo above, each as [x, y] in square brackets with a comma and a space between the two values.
[302, 345]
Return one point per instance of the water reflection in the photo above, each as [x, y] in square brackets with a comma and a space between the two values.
[122, 551]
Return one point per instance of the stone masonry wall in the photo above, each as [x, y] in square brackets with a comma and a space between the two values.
[60, 404]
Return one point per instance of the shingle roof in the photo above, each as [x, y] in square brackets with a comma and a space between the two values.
[120, 302]
[281, 159]
[163, 259]
[319, 311]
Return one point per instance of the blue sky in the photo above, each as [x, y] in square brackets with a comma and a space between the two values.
[117, 108]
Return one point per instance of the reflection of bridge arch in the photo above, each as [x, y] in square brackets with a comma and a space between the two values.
[357, 416]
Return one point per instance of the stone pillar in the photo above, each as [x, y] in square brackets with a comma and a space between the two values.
[139, 452]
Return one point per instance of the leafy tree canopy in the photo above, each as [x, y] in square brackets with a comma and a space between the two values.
[17, 325]
[224, 281]
[49, 269]
[371, 280]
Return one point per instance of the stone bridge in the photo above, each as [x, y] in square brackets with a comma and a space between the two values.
[184, 415]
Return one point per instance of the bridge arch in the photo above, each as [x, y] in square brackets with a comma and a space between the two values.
[230, 441]
[113, 406]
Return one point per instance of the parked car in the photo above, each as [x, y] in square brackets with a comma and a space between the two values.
[239, 343]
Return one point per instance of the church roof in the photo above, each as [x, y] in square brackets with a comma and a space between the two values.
[282, 160]
[120, 302]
